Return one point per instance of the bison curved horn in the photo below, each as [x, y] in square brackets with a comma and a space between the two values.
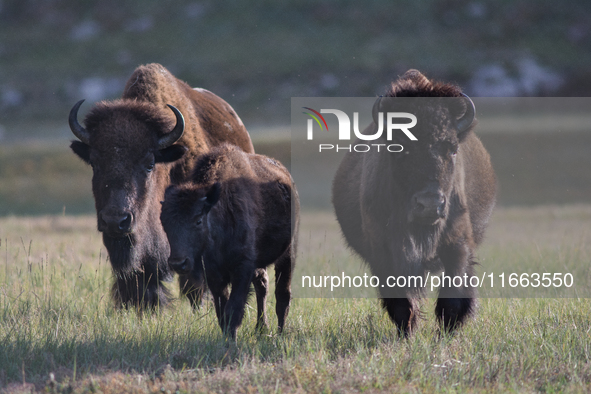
[176, 133]
[79, 131]
[466, 120]
[376, 108]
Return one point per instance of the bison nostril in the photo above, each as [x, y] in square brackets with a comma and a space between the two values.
[429, 205]
[180, 265]
[441, 206]
[441, 210]
[419, 207]
[125, 223]
[115, 224]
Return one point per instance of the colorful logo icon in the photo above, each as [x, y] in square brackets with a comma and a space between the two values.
[316, 117]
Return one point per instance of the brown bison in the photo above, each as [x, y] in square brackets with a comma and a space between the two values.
[422, 209]
[137, 146]
[237, 215]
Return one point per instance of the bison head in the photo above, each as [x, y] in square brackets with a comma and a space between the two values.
[428, 168]
[187, 224]
[127, 144]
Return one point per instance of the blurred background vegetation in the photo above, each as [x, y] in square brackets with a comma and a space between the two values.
[257, 55]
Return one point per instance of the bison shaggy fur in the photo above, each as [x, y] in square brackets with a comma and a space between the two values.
[424, 209]
[237, 215]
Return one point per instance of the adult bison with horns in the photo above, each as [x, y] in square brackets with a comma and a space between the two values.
[137, 146]
[422, 209]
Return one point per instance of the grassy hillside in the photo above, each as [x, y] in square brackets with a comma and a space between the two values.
[258, 55]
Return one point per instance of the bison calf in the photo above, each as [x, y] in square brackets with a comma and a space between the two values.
[237, 215]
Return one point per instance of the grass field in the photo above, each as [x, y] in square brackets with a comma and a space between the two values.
[59, 333]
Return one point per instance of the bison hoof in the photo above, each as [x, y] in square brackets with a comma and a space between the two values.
[452, 312]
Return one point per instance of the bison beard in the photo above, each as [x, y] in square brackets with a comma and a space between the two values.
[137, 285]
[137, 146]
[423, 211]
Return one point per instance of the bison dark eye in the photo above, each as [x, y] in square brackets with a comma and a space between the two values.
[197, 219]
[150, 167]
[449, 149]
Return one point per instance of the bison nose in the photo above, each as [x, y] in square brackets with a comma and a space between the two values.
[180, 265]
[120, 223]
[428, 206]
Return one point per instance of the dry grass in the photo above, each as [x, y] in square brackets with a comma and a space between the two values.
[59, 333]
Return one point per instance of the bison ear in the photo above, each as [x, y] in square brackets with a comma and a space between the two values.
[170, 154]
[212, 196]
[81, 150]
[169, 192]
[466, 120]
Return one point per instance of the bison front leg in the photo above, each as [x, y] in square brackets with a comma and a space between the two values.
[403, 312]
[398, 302]
[220, 299]
[455, 303]
[233, 313]
[218, 287]
[283, 273]
[261, 288]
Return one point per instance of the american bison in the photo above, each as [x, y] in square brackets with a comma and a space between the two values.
[237, 215]
[137, 146]
[422, 209]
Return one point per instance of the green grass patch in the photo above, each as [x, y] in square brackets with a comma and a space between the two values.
[43, 179]
[59, 332]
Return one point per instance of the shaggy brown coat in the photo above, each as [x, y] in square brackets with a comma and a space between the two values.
[423, 209]
[131, 172]
[236, 216]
